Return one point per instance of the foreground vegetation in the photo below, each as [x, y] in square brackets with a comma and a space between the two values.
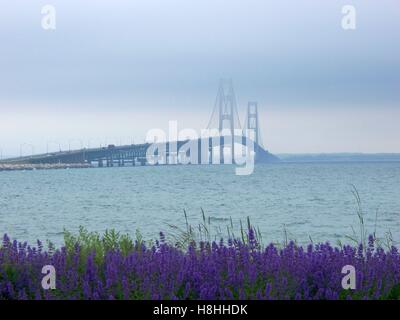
[114, 266]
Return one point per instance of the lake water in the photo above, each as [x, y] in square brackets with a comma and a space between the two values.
[306, 199]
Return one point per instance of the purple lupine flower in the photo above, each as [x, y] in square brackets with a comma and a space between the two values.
[204, 271]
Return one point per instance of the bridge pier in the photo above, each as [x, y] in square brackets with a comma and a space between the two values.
[199, 151]
[166, 154]
[210, 150]
[172, 158]
[221, 150]
[110, 162]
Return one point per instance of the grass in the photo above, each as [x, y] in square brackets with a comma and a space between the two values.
[361, 237]
[205, 231]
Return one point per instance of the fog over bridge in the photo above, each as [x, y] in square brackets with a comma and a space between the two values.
[215, 149]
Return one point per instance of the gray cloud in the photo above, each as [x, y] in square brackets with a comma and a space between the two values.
[168, 55]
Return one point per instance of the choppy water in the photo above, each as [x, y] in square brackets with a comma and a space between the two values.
[308, 198]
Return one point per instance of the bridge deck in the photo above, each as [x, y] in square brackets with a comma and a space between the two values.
[128, 153]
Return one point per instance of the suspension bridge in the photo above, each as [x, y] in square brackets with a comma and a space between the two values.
[221, 149]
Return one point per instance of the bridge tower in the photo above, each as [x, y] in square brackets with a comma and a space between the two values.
[226, 102]
[252, 120]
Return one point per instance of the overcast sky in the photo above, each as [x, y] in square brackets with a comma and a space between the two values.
[114, 69]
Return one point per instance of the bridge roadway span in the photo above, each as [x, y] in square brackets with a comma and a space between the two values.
[130, 154]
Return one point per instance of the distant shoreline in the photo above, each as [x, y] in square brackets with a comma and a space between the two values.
[340, 157]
